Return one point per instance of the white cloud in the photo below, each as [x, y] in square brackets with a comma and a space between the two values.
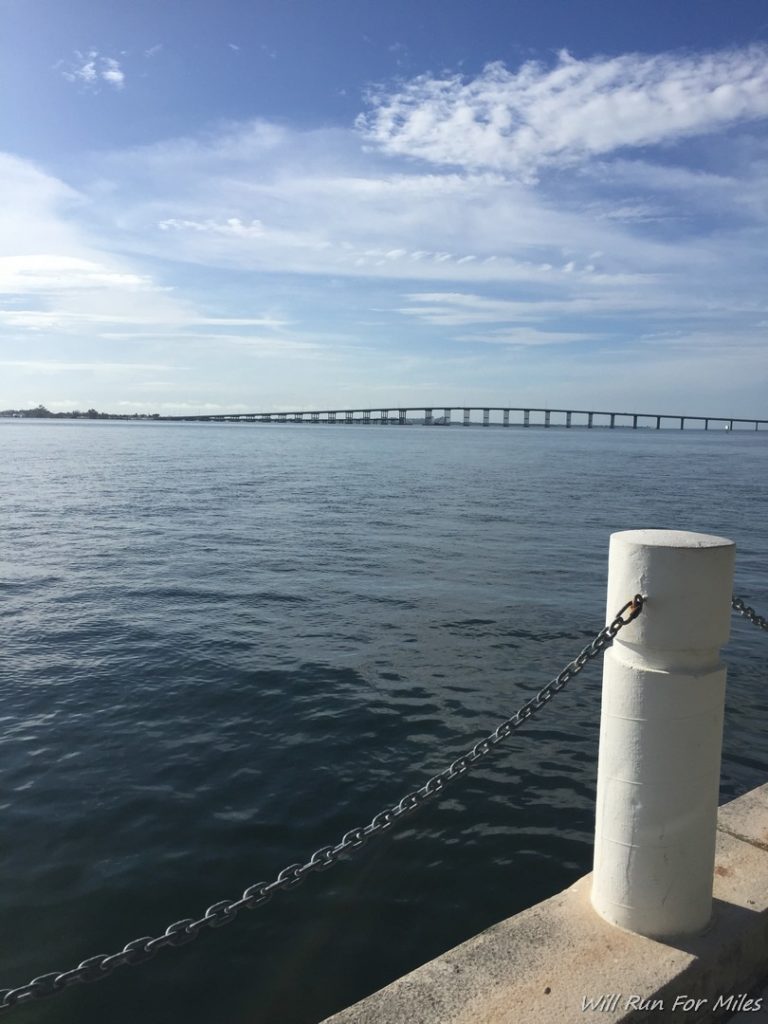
[52, 366]
[159, 322]
[91, 68]
[280, 243]
[241, 199]
[526, 337]
[629, 213]
[55, 277]
[244, 146]
[38, 211]
[233, 227]
[111, 72]
[45, 272]
[638, 298]
[486, 260]
[519, 121]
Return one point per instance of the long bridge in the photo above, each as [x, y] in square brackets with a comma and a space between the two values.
[503, 416]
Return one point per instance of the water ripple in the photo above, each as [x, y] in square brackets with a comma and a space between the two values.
[226, 647]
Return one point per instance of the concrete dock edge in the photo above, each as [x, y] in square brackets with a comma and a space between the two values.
[559, 962]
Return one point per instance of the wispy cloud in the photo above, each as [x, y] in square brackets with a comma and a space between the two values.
[526, 337]
[92, 68]
[519, 121]
[641, 299]
[53, 366]
[111, 72]
[57, 282]
[41, 272]
[288, 262]
[158, 323]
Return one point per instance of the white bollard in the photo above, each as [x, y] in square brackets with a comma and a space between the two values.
[661, 732]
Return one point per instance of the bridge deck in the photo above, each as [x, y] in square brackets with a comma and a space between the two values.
[402, 415]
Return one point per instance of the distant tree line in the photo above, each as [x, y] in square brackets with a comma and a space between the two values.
[40, 412]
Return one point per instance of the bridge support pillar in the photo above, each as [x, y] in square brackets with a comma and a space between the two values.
[315, 417]
[613, 420]
[281, 417]
[755, 424]
[590, 418]
[568, 419]
[401, 415]
[466, 417]
[447, 414]
[706, 424]
[682, 422]
[299, 417]
[661, 729]
[486, 417]
[730, 424]
[546, 417]
[658, 422]
[366, 415]
[526, 417]
[385, 417]
[349, 416]
[634, 422]
[505, 419]
[428, 418]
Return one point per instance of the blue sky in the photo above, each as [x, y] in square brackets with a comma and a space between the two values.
[252, 206]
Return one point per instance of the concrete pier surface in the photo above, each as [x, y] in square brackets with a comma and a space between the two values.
[560, 963]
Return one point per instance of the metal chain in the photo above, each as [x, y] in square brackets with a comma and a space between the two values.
[738, 605]
[180, 932]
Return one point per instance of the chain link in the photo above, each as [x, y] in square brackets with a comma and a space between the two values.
[737, 603]
[180, 932]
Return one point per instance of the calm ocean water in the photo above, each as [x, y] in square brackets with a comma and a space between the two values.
[223, 646]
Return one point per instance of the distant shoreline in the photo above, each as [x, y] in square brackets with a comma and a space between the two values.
[41, 413]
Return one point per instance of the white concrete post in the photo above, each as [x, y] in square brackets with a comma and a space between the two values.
[661, 732]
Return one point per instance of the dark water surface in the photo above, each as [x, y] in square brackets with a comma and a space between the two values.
[223, 646]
